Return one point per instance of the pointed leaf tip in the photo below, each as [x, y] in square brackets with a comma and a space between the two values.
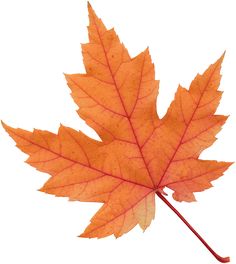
[220, 60]
[5, 126]
[89, 5]
[2, 123]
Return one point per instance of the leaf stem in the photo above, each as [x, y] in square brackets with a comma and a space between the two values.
[219, 258]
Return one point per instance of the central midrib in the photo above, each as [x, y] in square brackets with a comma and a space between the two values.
[124, 108]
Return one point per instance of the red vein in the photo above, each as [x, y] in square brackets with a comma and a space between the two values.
[211, 101]
[181, 109]
[75, 183]
[80, 146]
[44, 161]
[82, 164]
[139, 88]
[203, 131]
[150, 136]
[96, 101]
[126, 113]
[117, 216]
[186, 128]
[109, 132]
[95, 59]
[194, 177]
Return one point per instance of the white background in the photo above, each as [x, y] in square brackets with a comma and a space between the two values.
[39, 41]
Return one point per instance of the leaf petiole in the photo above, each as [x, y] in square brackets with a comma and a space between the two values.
[219, 258]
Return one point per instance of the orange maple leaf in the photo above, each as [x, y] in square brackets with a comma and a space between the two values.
[139, 154]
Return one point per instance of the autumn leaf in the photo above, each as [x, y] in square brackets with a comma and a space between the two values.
[139, 154]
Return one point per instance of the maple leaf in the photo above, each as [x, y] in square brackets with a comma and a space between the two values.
[139, 154]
